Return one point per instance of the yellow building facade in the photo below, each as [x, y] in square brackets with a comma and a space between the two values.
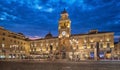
[92, 45]
[13, 45]
[117, 50]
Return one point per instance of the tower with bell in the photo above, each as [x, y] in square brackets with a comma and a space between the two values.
[64, 29]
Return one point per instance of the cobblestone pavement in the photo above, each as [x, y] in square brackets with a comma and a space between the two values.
[59, 65]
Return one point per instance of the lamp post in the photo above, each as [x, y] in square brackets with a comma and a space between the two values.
[73, 42]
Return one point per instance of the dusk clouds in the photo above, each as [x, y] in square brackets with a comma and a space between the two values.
[38, 17]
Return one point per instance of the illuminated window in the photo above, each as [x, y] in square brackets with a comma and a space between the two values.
[91, 46]
[35, 44]
[108, 45]
[85, 46]
[77, 47]
[3, 45]
[101, 45]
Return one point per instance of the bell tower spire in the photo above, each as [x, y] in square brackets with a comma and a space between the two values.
[64, 29]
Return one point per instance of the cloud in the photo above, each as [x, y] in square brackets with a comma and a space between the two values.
[34, 37]
[38, 17]
[49, 10]
[38, 7]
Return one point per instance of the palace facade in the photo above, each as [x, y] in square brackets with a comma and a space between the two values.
[92, 45]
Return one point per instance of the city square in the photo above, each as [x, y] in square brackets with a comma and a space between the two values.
[59, 35]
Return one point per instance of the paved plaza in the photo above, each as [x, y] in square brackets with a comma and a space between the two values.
[59, 65]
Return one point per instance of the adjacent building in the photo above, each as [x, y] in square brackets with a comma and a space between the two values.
[13, 45]
[117, 50]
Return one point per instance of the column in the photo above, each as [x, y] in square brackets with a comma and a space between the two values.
[95, 53]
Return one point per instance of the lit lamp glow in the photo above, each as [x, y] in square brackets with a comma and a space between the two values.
[108, 39]
[3, 45]
[101, 40]
[74, 48]
[41, 44]
[85, 41]
[91, 40]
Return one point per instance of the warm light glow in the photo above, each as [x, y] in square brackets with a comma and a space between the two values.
[32, 45]
[67, 35]
[44, 49]
[51, 43]
[85, 41]
[41, 44]
[10, 46]
[70, 42]
[56, 44]
[3, 45]
[59, 27]
[101, 40]
[104, 46]
[60, 36]
[80, 47]
[47, 44]
[54, 49]
[91, 40]
[68, 26]
[35, 45]
[108, 39]
[47, 52]
[33, 50]
[74, 48]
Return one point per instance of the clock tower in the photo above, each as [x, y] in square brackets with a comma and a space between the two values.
[64, 29]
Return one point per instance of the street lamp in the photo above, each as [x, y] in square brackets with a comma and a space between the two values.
[73, 42]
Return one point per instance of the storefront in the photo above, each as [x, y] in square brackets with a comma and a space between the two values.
[91, 55]
[101, 55]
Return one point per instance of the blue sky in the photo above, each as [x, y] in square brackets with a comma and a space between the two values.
[35, 18]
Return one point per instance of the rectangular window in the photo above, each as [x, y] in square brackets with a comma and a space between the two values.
[77, 47]
[3, 33]
[3, 39]
[108, 45]
[85, 46]
[91, 46]
[91, 54]
[101, 45]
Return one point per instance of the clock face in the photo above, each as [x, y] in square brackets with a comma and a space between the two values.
[63, 33]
